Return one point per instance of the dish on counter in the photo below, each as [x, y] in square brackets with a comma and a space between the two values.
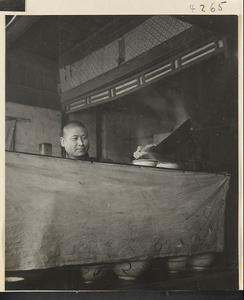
[168, 165]
[145, 162]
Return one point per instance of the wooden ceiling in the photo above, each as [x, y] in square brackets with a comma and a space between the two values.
[38, 35]
[38, 45]
[54, 36]
[59, 37]
[74, 29]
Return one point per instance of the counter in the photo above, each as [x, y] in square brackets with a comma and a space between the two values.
[66, 212]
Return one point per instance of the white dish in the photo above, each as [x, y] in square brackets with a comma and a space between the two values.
[168, 165]
[145, 162]
[14, 279]
[177, 263]
[202, 261]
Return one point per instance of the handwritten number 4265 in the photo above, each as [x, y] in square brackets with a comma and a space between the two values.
[211, 8]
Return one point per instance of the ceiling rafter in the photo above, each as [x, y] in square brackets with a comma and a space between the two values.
[18, 28]
[101, 37]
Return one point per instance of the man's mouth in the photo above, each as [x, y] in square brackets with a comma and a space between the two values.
[81, 149]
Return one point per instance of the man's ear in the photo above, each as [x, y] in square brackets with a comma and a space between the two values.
[62, 141]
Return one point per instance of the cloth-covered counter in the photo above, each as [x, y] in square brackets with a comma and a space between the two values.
[67, 212]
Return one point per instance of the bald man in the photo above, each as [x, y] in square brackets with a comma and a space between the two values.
[75, 141]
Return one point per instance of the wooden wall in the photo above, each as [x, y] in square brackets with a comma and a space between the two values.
[44, 127]
[31, 84]
[32, 62]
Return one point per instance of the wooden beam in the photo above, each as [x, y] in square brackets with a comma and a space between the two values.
[18, 27]
[31, 59]
[101, 37]
[17, 119]
[31, 96]
[220, 24]
[164, 51]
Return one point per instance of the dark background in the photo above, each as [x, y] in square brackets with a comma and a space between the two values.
[12, 5]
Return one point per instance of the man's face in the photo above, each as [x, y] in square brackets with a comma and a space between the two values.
[75, 141]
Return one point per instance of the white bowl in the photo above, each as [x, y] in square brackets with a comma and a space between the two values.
[168, 165]
[14, 279]
[202, 261]
[145, 162]
[177, 263]
[130, 270]
[90, 273]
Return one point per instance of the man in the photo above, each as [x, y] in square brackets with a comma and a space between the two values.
[75, 141]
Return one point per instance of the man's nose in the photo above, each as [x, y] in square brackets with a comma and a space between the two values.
[80, 141]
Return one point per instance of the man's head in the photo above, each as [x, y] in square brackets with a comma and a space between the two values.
[75, 140]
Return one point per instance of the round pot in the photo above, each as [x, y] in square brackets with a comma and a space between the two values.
[202, 261]
[130, 270]
[176, 264]
[90, 273]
